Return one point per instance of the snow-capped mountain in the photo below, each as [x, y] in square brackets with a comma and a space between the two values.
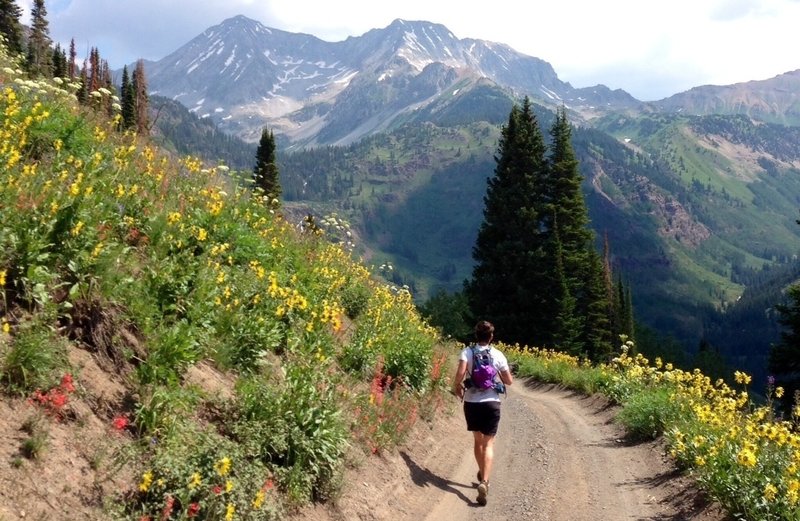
[246, 76]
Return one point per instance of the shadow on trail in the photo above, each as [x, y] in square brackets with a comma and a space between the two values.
[423, 477]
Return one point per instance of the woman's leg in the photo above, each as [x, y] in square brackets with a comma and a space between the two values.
[484, 453]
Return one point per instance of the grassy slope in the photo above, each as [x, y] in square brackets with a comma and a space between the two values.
[161, 267]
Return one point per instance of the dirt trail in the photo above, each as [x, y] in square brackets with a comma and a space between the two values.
[558, 457]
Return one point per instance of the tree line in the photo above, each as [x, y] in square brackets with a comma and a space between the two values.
[96, 88]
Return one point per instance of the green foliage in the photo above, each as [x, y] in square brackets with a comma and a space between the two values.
[163, 409]
[449, 313]
[195, 472]
[292, 423]
[648, 413]
[35, 359]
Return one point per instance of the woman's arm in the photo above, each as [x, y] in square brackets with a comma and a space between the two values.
[458, 379]
[507, 377]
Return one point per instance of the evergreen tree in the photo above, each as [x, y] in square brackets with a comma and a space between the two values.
[784, 357]
[59, 62]
[10, 27]
[73, 55]
[39, 58]
[128, 101]
[568, 323]
[510, 284]
[583, 266]
[265, 173]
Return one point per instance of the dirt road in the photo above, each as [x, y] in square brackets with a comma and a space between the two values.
[558, 457]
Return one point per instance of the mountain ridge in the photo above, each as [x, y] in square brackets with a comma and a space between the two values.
[296, 83]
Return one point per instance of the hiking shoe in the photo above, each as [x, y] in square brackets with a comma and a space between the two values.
[483, 491]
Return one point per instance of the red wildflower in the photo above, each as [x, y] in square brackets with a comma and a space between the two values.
[217, 489]
[268, 484]
[120, 423]
[66, 384]
[193, 510]
[165, 513]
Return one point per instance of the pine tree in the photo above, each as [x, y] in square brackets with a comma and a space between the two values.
[784, 357]
[583, 266]
[73, 55]
[10, 27]
[568, 323]
[128, 101]
[265, 173]
[39, 57]
[510, 284]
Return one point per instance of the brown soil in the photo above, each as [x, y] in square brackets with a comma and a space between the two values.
[559, 456]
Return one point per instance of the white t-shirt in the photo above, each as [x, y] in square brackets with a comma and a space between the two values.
[499, 361]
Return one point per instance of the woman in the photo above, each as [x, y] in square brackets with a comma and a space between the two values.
[482, 405]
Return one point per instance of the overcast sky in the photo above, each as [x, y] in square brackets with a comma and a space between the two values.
[650, 48]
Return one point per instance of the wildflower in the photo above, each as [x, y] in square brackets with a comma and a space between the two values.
[229, 511]
[67, 384]
[779, 392]
[193, 510]
[76, 230]
[2, 277]
[202, 234]
[741, 378]
[6, 327]
[259, 499]
[228, 486]
[770, 491]
[120, 423]
[746, 458]
[147, 480]
[167, 510]
[195, 481]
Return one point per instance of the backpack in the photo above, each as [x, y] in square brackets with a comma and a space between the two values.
[483, 372]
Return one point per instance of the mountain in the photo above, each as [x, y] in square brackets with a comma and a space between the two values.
[775, 100]
[245, 76]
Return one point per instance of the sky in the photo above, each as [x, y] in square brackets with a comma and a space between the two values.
[649, 48]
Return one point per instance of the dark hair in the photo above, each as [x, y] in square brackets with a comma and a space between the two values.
[484, 331]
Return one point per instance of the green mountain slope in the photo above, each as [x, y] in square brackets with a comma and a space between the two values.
[689, 204]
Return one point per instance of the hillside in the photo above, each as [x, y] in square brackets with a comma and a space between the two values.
[169, 342]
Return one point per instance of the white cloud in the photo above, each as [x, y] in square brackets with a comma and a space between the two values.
[650, 49]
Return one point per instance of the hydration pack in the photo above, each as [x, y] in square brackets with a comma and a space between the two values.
[483, 373]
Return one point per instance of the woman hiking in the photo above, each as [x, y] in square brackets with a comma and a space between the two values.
[487, 372]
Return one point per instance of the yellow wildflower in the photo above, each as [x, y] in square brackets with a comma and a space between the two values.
[770, 491]
[259, 499]
[779, 392]
[746, 458]
[195, 481]
[147, 480]
[228, 486]
[223, 466]
[6, 327]
[229, 511]
[2, 277]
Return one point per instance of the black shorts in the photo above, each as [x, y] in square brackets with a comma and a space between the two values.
[483, 417]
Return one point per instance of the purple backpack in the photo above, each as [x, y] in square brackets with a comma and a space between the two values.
[483, 370]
